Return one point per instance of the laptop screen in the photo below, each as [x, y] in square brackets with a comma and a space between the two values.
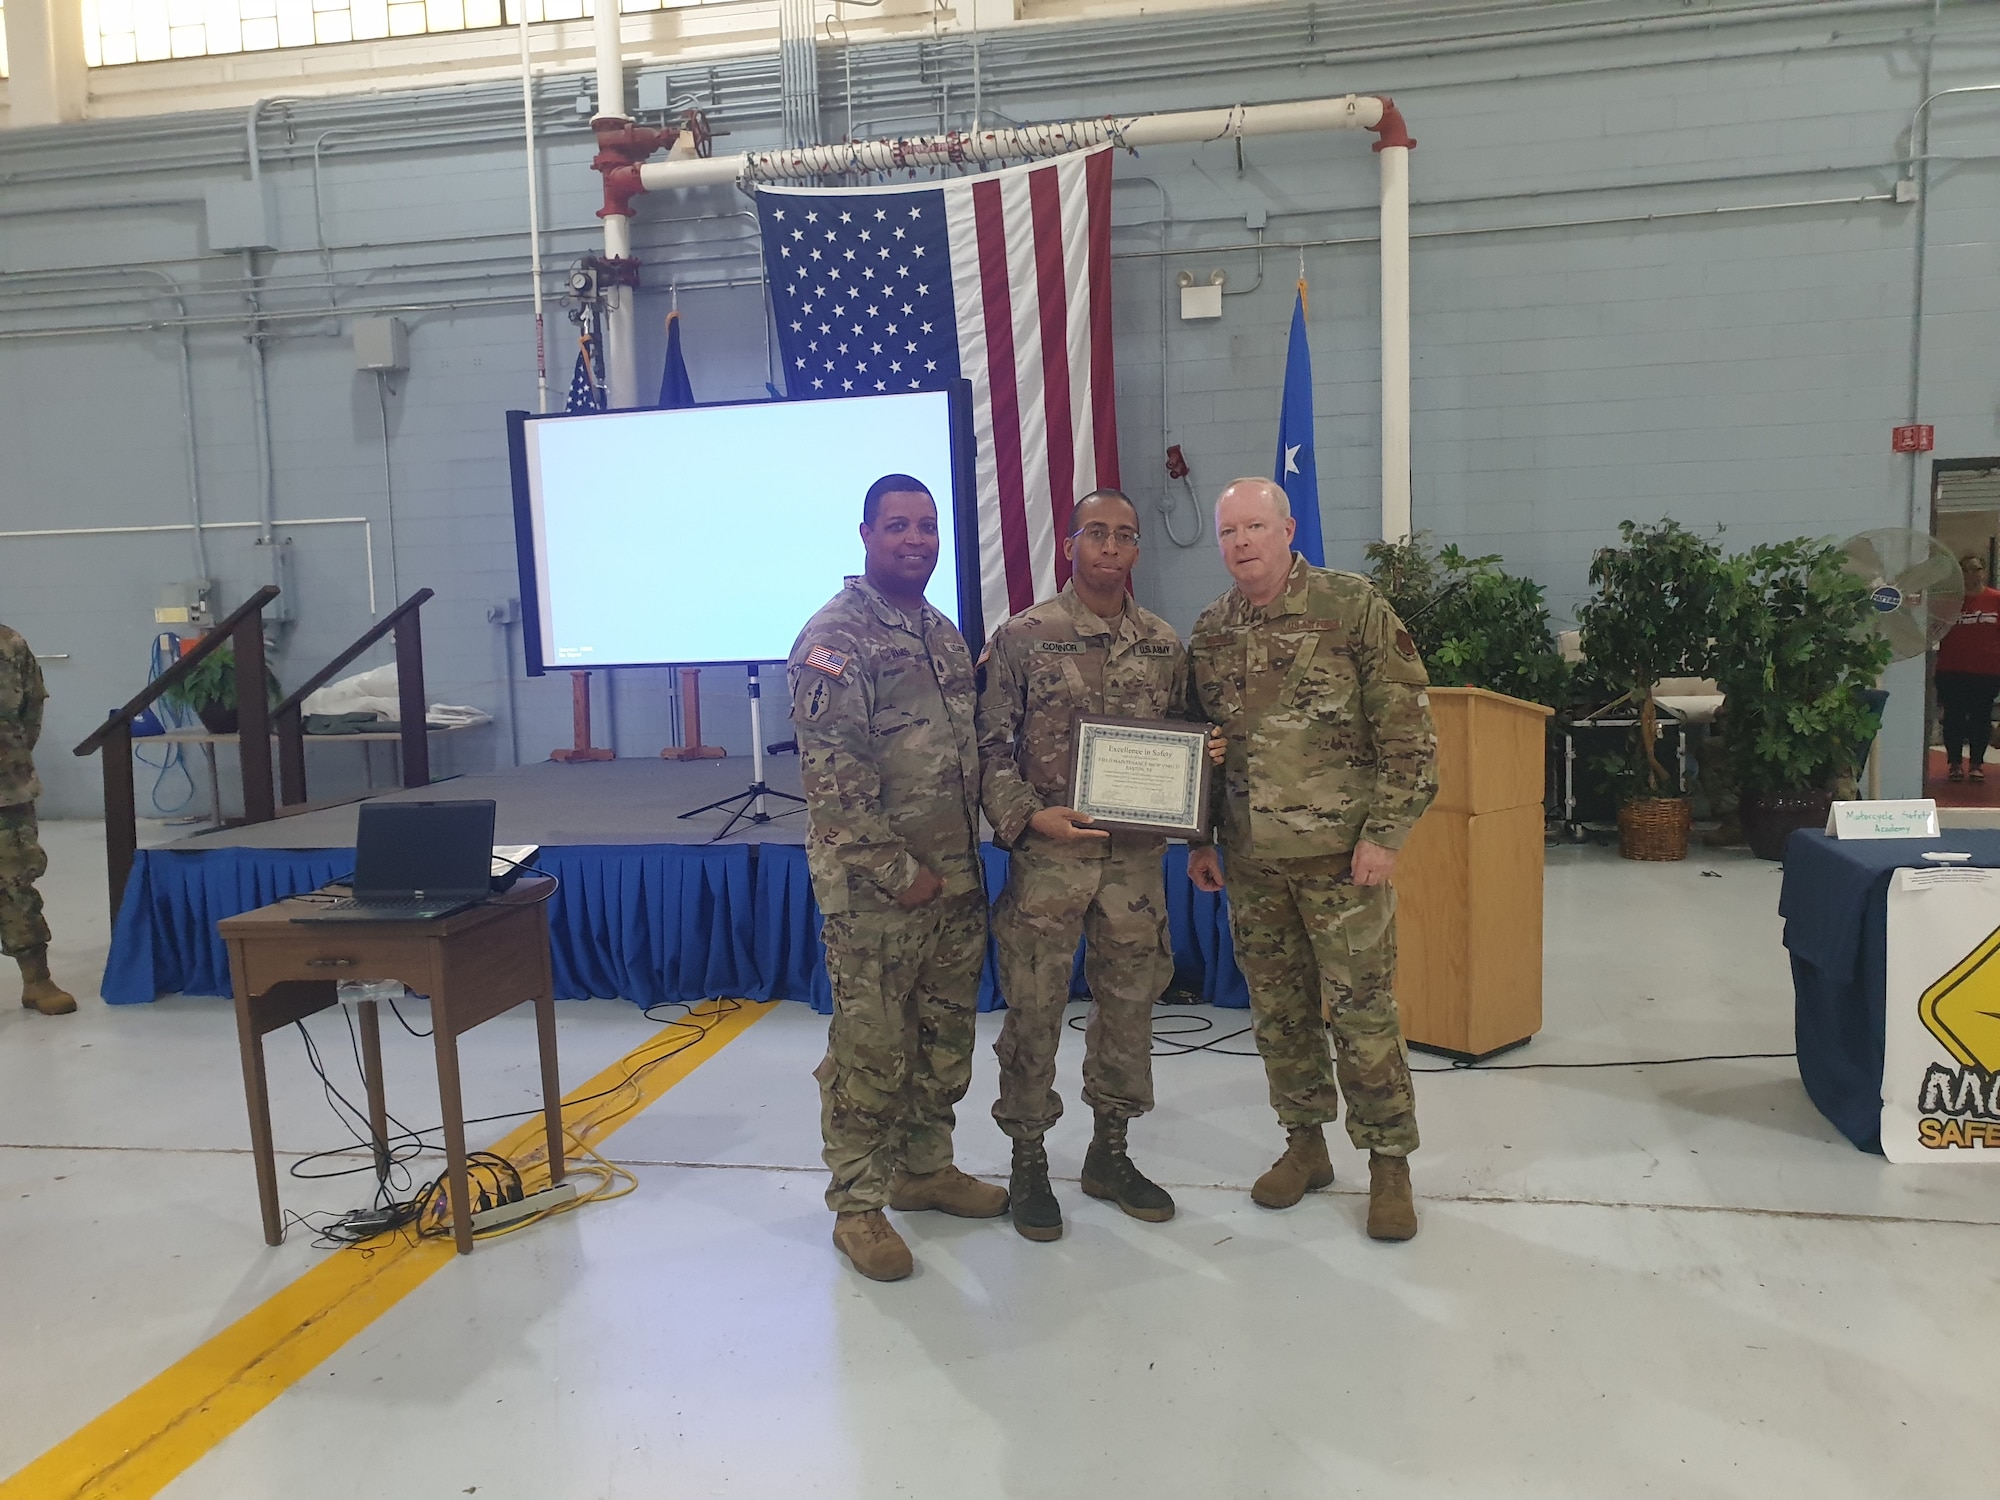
[442, 849]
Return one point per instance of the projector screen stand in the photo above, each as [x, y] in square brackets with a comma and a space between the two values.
[691, 747]
[582, 750]
[748, 806]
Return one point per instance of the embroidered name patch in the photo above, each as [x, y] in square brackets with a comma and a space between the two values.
[1060, 648]
[1154, 648]
[826, 659]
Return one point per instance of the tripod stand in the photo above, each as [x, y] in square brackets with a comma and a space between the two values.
[748, 806]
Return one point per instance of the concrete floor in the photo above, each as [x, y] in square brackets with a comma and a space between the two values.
[1664, 1280]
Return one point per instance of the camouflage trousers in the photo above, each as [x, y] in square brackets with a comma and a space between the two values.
[22, 863]
[1319, 953]
[1117, 903]
[899, 1050]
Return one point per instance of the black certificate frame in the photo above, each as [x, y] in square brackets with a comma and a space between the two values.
[1082, 741]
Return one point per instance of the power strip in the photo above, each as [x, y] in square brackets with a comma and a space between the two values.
[535, 1203]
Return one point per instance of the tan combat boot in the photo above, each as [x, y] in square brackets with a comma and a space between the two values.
[1392, 1215]
[1304, 1165]
[872, 1245]
[949, 1191]
[39, 992]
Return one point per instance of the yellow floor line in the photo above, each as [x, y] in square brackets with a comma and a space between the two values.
[142, 1444]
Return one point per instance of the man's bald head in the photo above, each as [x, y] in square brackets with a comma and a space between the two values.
[1253, 527]
[1252, 490]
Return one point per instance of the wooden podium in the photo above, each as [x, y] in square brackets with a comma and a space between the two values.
[1469, 882]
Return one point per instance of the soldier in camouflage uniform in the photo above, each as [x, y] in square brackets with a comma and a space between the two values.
[882, 701]
[24, 933]
[1088, 650]
[1329, 759]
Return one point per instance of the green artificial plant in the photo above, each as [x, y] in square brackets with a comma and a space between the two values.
[1793, 659]
[1660, 599]
[1475, 625]
[212, 684]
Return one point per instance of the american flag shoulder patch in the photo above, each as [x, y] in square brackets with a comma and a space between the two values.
[826, 659]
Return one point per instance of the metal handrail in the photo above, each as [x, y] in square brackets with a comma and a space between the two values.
[244, 630]
[404, 622]
[375, 633]
[179, 672]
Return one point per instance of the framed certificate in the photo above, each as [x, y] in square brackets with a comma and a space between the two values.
[1149, 775]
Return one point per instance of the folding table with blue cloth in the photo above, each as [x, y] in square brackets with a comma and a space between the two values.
[654, 923]
[1835, 907]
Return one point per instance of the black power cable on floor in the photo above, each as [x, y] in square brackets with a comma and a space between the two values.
[1169, 1043]
[1470, 1065]
[388, 1212]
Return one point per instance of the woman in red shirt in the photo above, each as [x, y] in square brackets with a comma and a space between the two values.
[1968, 674]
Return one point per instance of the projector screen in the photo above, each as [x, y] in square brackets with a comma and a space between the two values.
[710, 534]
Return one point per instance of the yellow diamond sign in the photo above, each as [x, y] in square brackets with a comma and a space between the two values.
[1962, 1009]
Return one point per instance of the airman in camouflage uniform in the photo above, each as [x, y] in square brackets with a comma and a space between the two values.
[883, 705]
[1330, 760]
[24, 932]
[1065, 879]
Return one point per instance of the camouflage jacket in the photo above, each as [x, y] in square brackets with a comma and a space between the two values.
[21, 699]
[883, 707]
[1047, 662]
[1322, 697]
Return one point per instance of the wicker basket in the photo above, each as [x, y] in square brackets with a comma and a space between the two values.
[1654, 828]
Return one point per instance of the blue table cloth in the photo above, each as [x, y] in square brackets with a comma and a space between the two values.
[654, 923]
[1835, 907]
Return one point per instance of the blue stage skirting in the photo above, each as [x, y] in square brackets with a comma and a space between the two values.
[654, 923]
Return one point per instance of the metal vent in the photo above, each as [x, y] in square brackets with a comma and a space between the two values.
[1968, 489]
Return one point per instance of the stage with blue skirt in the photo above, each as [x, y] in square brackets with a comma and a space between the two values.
[652, 907]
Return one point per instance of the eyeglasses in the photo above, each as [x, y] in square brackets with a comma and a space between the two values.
[1097, 534]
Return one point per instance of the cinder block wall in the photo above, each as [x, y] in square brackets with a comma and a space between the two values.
[1645, 283]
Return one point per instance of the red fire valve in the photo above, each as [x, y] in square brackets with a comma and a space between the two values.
[621, 146]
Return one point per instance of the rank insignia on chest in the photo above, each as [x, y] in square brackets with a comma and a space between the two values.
[826, 659]
[1059, 648]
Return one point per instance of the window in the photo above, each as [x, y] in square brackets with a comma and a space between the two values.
[126, 31]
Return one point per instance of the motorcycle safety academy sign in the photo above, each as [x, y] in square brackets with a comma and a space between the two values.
[1941, 1030]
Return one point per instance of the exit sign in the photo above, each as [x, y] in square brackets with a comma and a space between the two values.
[1916, 437]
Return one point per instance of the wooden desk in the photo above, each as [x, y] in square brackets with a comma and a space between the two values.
[474, 966]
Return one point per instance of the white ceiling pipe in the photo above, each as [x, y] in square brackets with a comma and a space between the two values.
[1395, 342]
[621, 354]
[609, 46]
[1185, 127]
[1353, 112]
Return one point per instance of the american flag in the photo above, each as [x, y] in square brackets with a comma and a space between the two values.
[1004, 278]
[586, 385]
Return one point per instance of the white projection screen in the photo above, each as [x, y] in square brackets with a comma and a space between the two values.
[710, 534]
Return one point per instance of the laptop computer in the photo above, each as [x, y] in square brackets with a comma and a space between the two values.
[415, 862]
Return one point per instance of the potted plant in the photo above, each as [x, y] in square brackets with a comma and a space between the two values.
[209, 691]
[1795, 659]
[1658, 598]
[1475, 625]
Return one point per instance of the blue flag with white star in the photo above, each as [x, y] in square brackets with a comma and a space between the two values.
[1294, 468]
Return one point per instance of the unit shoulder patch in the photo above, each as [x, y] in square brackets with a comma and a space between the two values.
[816, 699]
[826, 659]
[1405, 647]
